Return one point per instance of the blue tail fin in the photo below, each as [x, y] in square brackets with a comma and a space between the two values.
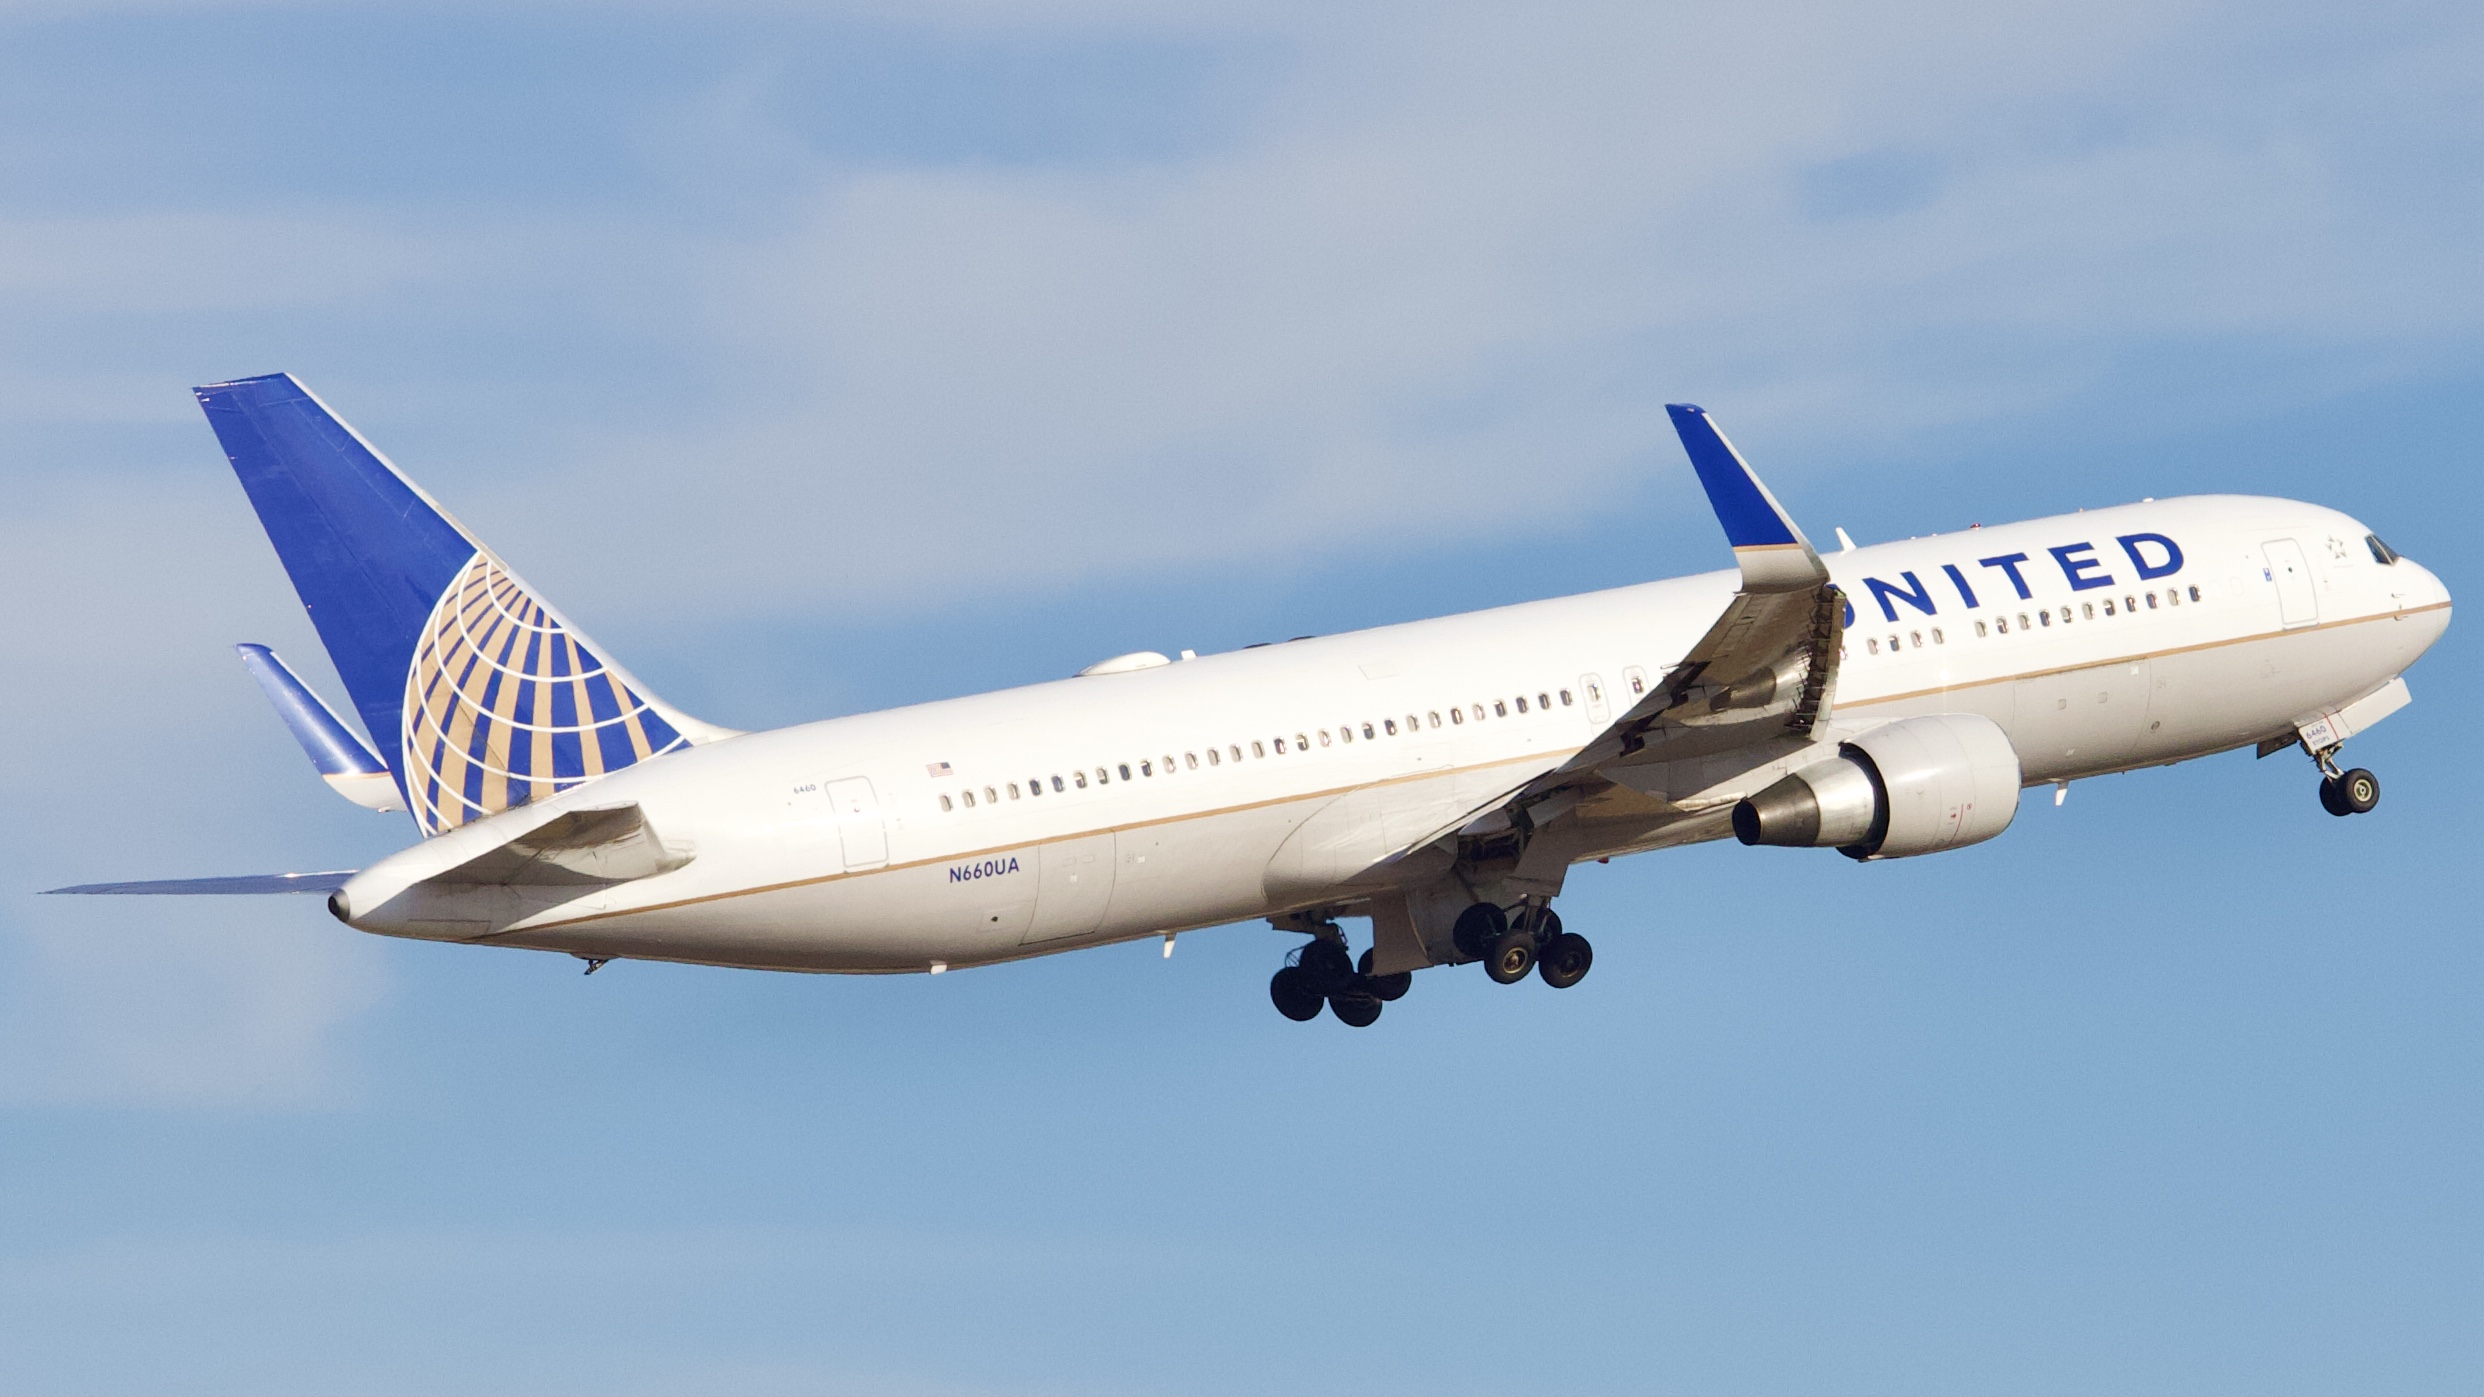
[479, 695]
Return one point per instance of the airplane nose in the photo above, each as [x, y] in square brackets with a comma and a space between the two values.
[2429, 589]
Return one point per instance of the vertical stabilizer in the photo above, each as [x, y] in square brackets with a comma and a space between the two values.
[480, 696]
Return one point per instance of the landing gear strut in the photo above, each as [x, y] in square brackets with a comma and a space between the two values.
[2346, 792]
[1322, 975]
[1535, 941]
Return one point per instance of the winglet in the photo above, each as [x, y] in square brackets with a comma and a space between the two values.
[350, 768]
[1774, 554]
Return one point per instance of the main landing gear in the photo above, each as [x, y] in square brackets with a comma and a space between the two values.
[2346, 792]
[1322, 975]
[1534, 941]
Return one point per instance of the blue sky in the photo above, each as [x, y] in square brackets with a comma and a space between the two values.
[822, 358]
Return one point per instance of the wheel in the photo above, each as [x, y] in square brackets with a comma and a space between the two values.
[1546, 924]
[1295, 999]
[1390, 988]
[1355, 1008]
[1511, 957]
[1477, 928]
[1328, 967]
[1566, 960]
[2358, 790]
[2332, 799]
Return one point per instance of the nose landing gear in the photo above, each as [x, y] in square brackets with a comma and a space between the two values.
[2346, 792]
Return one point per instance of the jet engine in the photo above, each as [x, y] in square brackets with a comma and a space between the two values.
[1916, 786]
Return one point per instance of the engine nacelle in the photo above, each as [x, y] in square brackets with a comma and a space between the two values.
[1915, 786]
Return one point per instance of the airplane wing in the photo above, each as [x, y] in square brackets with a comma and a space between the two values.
[1766, 669]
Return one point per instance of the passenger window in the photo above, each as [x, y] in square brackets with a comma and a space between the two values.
[1056, 783]
[1013, 790]
[2130, 603]
[1324, 737]
[968, 797]
[2087, 610]
[1345, 733]
[1213, 759]
[1301, 743]
[1872, 645]
[1390, 724]
[945, 805]
[1522, 703]
[1412, 725]
[1479, 713]
[2108, 605]
[2151, 601]
[990, 796]
[1258, 751]
[1145, 769]
[1916, 637]
[1980, 632]
[2023, 623]
[2173, 598]
[1543, 703]
[1936, 636]
[2045, 617]
[1234, 750]
[1565, 698]
[1367, 731]
[1081, 778]
[1435, 717]
[1894, 647]
[2195, 590]
[1280, 746]
[2002, 625]
[1499, 709]
[1457, 715]
[1035, 787]
[1103, 777]
[1192, 758]
[1125, 771]
[1637, 678]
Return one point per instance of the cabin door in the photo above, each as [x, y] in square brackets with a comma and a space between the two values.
[859, 827]
[2298, 604]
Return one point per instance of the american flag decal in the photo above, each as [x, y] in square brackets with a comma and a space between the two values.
[938, 769]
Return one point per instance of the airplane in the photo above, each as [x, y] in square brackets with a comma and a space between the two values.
[1438, 778]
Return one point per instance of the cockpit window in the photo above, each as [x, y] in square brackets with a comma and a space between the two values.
[2382, 553]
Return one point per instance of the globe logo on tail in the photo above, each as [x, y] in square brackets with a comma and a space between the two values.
[504, 706]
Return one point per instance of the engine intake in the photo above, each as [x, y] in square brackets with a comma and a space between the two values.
[1915, 786]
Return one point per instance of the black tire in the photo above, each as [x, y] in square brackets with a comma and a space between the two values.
[1477, 928]
[1355, 1008]
[1327, 965]
[1511, 957]
[2358, 790]
[1390, 988]
[1293, 995]
[1566, 960]
[2332, 799]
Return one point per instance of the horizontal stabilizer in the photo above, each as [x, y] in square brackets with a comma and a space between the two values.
[246, 884]
[343, 760]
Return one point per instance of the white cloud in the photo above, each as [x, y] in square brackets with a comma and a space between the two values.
[1441, 288]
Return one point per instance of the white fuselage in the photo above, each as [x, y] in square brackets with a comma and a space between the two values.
[1269, 780]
